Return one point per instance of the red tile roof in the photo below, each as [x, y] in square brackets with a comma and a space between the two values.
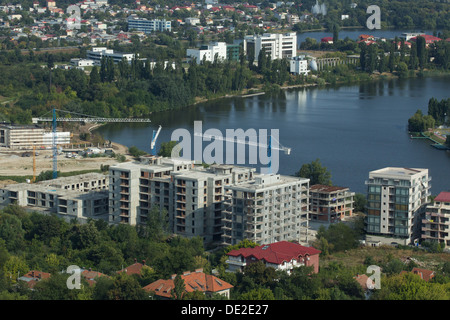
[443, 197]
[276, 253]
[34, 277]
[428, 38]
[423, 273]
[196, 280]
[133, 269]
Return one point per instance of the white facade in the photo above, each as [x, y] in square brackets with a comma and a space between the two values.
[276, 46]
[298, 65]
[82, 62]
[97, 53]
[209, 52]
[27, 137]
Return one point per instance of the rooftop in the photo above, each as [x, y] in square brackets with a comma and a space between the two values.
[325, 188]
[444, 196]
[275, 253]
[398, 171]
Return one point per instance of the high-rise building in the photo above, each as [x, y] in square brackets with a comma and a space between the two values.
[436, 223]
[276, 46]
[193, 196]
[267, 209]
[396, 197]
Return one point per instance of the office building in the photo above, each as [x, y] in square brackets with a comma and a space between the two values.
[266, 209]
[396, 197]
[436, 223]
[148, 26]
[98, 53]
[276, 46]
[298, 65]
[209, 52]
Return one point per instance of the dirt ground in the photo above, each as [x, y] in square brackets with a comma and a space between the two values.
[13, 163]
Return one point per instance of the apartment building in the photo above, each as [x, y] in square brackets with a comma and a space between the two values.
[29, 136]
[330, 204]
[276, 46]
[192, 195]
[80, 197]
[436, 223]
[98, 53]
[396, 197]
[148, 26]
[267, 209]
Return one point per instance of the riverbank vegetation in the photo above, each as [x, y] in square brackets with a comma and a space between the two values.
[435, 125]
[29, 88]
[32, 241]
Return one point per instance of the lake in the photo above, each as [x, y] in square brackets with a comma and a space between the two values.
[352, 129]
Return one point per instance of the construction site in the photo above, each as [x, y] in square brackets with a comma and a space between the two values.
[28, 150]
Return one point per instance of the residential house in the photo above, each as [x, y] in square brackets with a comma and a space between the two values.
[193, 281]
[33, 277]
[282, 255]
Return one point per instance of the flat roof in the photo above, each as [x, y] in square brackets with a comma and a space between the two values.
[399, 171]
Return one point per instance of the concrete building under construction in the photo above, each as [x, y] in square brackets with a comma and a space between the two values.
[29, 136]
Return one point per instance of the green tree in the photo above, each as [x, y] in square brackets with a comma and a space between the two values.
[258, 294]
[166, 148]
[126, 287]
[179, 288]
[317, 173]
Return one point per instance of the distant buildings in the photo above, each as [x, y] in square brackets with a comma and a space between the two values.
[149, 26]
[276, 46]
[436, 223]
[396, 199]
[209, 52]
[220, 50]
[282, 255]
[98, 53]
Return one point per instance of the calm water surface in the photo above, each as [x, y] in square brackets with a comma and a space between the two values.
[352, 129]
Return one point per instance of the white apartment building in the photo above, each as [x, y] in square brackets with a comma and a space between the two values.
[396, 197]
[276, 46]
[436, 223]
[267, 209]
[209, 52]
[298, 65]
[97, 53]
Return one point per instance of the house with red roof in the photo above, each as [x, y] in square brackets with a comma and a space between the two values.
[33, 277]
[92, 276]
[193, 281]
[327, 40]
[429, 39]
[424, 274]
[135, 268]
[282, 255]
